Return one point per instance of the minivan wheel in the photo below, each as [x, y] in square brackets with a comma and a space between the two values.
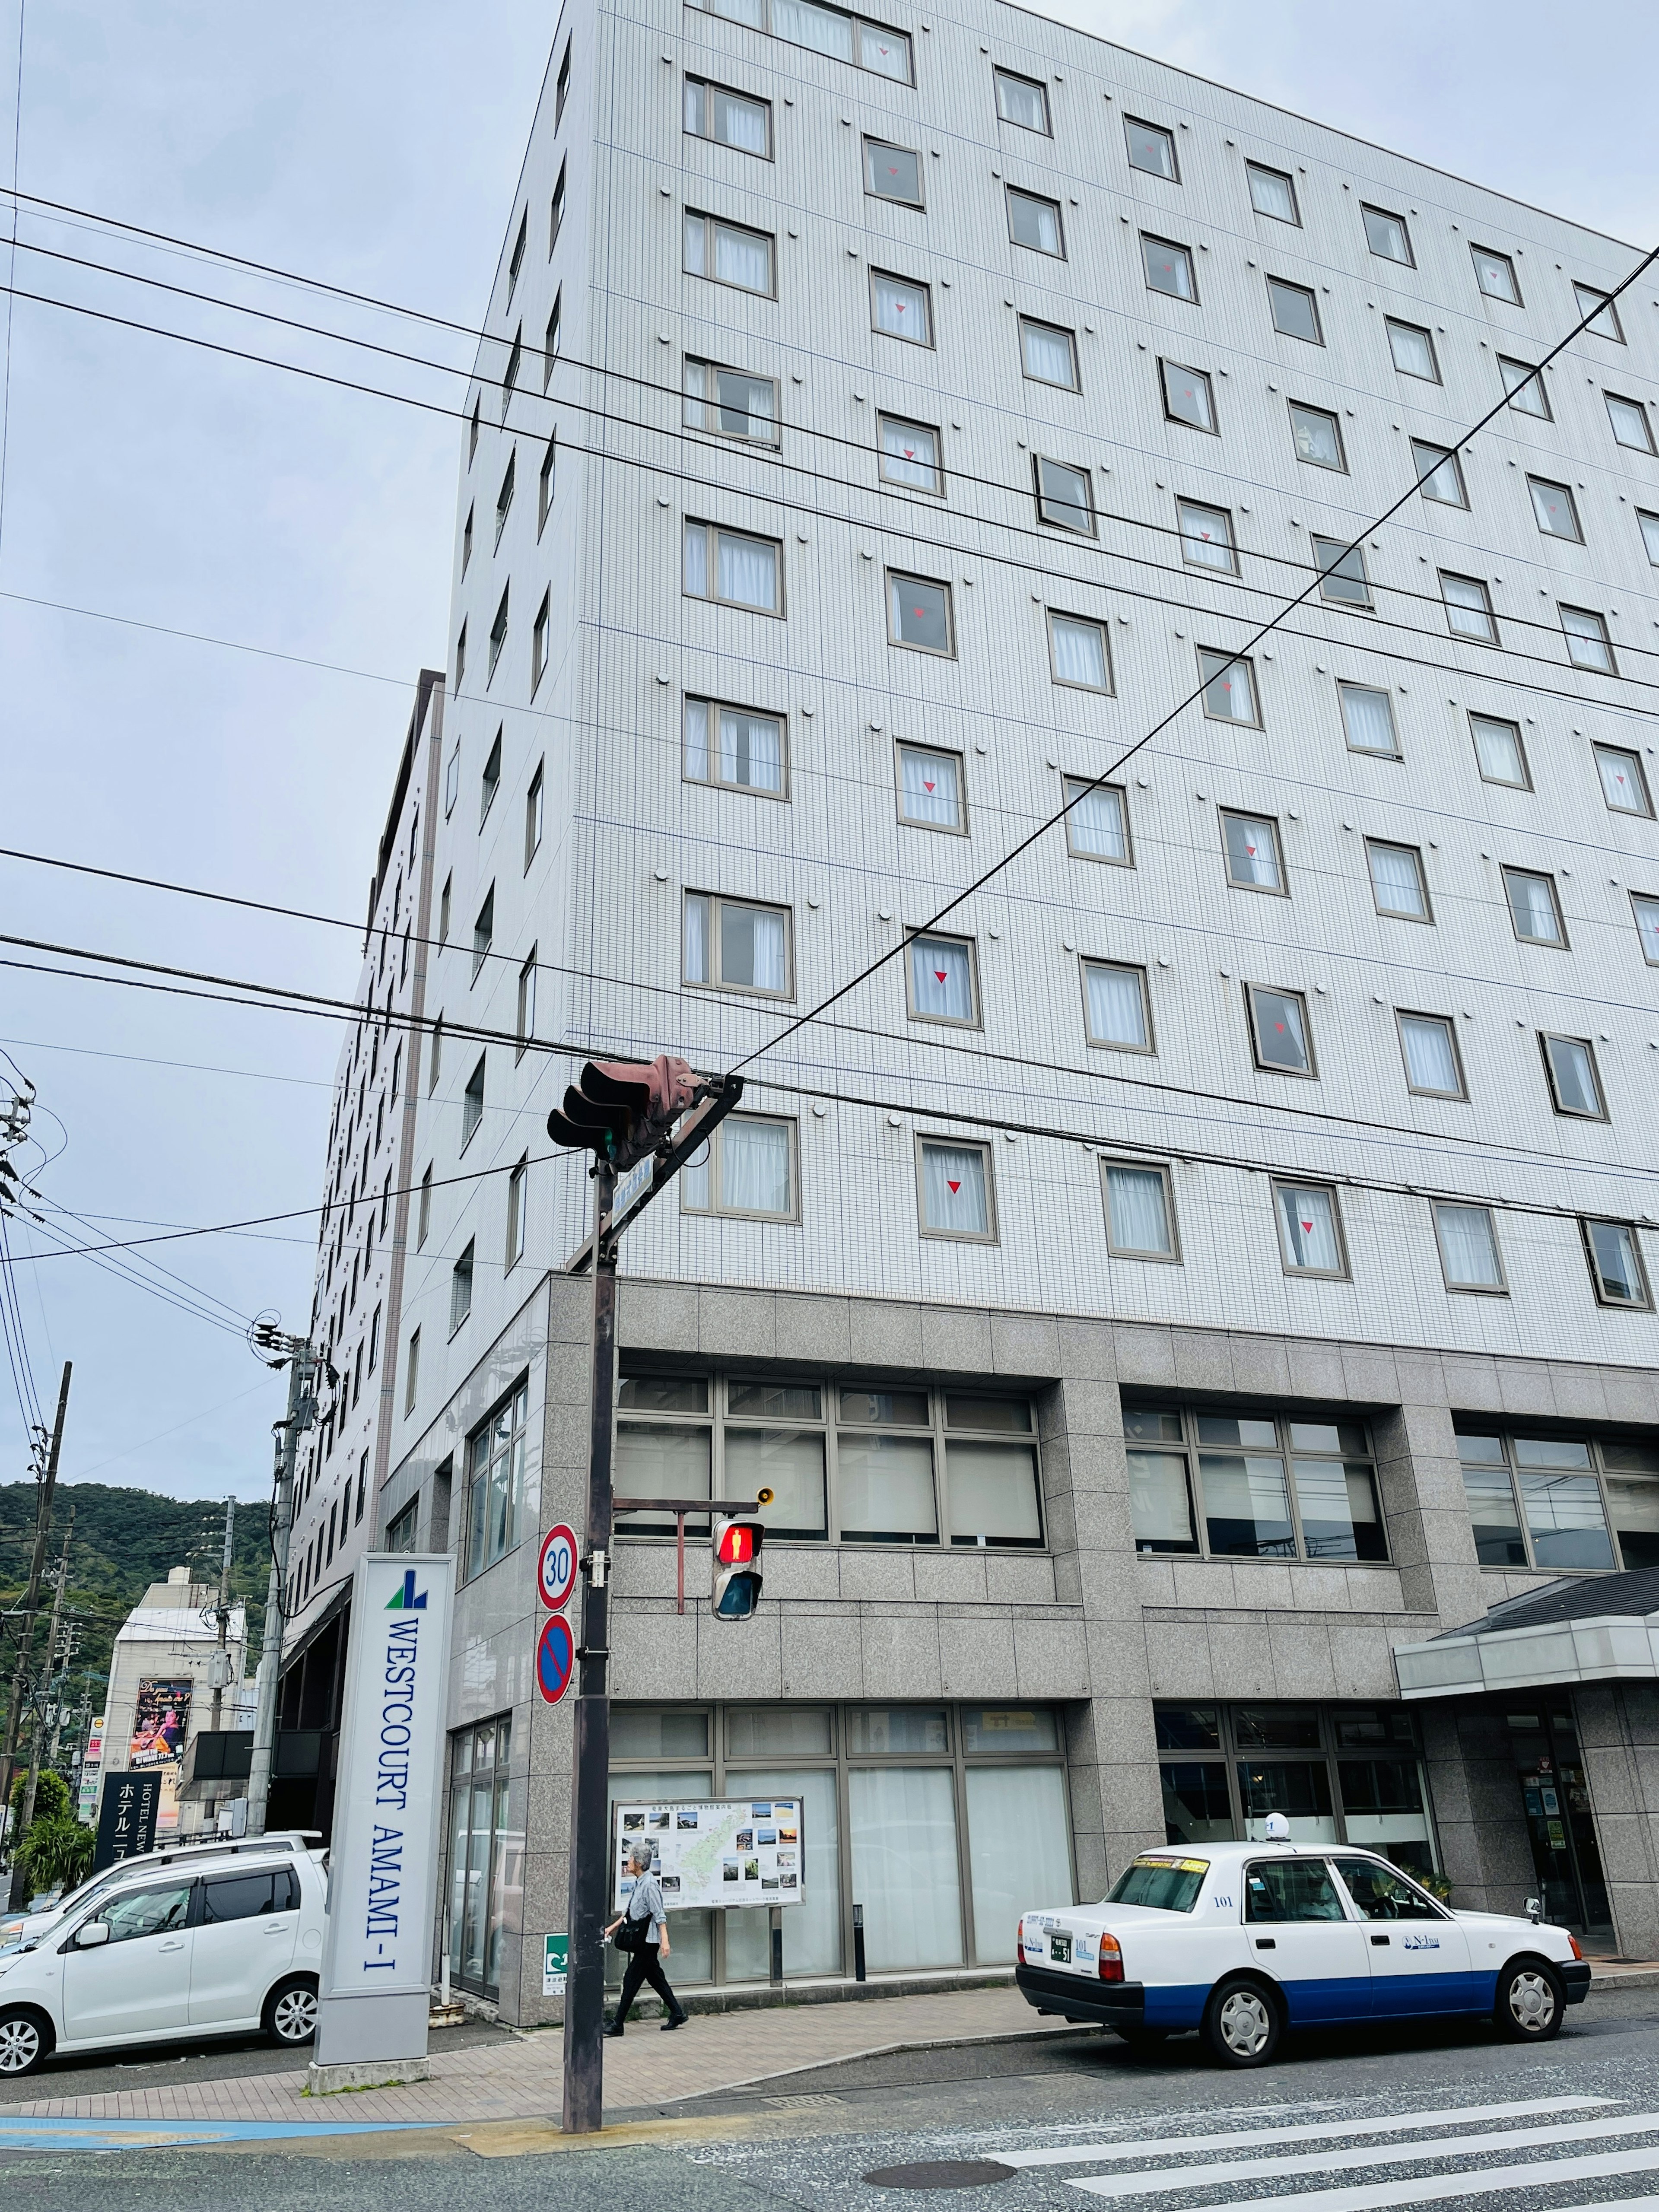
[1531, 2000]
[1241, 2023]
[291, 2012]
[25, 2042]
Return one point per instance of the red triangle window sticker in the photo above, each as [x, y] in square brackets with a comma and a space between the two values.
[954, 1189]
[1307, 1227]
[929, 786]
[941, 973]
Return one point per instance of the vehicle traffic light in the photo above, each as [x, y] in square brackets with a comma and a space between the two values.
[621, 1110]
[737, 1543]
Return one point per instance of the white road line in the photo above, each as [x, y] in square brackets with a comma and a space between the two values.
[1322, 2161]
[1391, 2124]
[1544, 2174]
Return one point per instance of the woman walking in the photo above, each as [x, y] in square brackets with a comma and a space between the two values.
[644, 1922]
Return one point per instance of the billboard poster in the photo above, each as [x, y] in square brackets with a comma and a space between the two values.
[736, 1851]
[92, 1763]
[127, 1823]
[160, 1724]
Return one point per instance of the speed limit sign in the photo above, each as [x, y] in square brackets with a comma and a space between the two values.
[555, 1574]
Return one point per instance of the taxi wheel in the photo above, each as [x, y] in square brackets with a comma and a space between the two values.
[25, 2041]
[1531, 2001]
[1241, 2023]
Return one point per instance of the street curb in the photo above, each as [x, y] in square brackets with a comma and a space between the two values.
[1642, 1978]
[885, 2051]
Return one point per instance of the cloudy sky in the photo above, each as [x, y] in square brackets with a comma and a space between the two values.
[375, 146]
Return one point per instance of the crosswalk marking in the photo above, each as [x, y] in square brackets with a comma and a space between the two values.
[1314, 2131]
[1195, 2177]
[1429, 2189]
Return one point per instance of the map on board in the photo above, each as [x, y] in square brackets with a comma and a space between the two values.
[740, 1850]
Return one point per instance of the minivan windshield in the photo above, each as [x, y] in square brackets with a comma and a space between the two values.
[1167, 1885]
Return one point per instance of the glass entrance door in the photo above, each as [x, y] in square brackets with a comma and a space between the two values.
[1555, 1797]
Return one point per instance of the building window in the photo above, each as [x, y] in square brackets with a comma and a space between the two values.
[1623, 784]
[1169, 268]
[532, 814]
[1498, 750]
[1631, 425]
[1599, 316]
[1412, 348]
[908, 453]
[746, 1169]
[460, 1289]
[1554, 510]
[1034, 222]
[919, 615]
[1141, 1216]
[1570, 1064]
[1558, 1504]
[550, 339]
[732, 568]
[1151, 148]
[489, 784]
[1229, 683]
[1023, 101]
[1079, 651]
[824, 30]
[732, 946]
[472, 426]
[525, 1028]
[1117, 1012]
[1525, 386]
[1280, 1036]
[510, 373]
[1533, 907]
[1251, 845]
[374, 1341]
[402, 1530]
[1588, 644]
[944, 984]
[562, 89]
[545, 482]
[423, 1212]
[1367, 720]
[1096, 822]
[900, 309]
[1271, 193]
[1617, 1272]
[1468, 608]
[1317, 436]
[1397, 883]
[1342, 579]
[1428, 1045]
[1048, 354]
[1469, 1257]
[483, 932]
[729, 253]
[1495, 274]
[460, 655]
[1310, 1230]
[495, 1482]
[497, 634]
[1387, 236]
[1646, 911]
[955, 1193]
[539, 631]
[892, 173]
[466, 541]
[518, 1192]
[437, 1056]
[486, 1856]
[1295, 311]
[1188, 397]
[472, 1103]
[930, 789]
[555, 212]
[1265, 1486]
[1065, 495]
[1207, 537]
[729, 119]
[730, 404]
[736, 747]
[1440, 473]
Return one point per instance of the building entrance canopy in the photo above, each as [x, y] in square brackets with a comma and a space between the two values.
[1604, 1629]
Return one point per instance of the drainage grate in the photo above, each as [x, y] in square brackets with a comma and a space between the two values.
[799, 2104]
[941, 2173]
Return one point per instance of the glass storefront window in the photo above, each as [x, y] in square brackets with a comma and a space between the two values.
[897, 1728]
[1187, 1728]
[904, 1825]
[486, 1873]
[691, 1933]
[1197, 1808]
[1268, 1487]
[1009, 1728]
[1561, 1505]
[1560, 1823]
[811, 1930]
[1300, 1788]
[1018, 1849]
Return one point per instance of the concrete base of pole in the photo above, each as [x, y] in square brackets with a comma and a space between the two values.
[365, 2074]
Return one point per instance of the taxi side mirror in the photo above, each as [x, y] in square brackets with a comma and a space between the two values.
[95, 1933]
[1535, 1910]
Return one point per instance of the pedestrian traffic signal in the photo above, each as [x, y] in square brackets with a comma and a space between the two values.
[737, 1543]
[622, 1110]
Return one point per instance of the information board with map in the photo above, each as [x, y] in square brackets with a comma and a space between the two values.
[741, 1850]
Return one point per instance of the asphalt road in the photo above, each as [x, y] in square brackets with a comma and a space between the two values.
[1347, 2123]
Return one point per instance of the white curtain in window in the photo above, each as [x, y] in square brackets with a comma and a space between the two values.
[902, 310]
[737, 122]
[954, 1195]
[1395, 872]
[752, 950]
[1307, 1217]
[1621, 781]
[657, 1459]
[1158, 1505]
[1470, 1244]
[1018, 1851]
[748, 571]
[1499, 752]
[696, 938]
[697, 244]
[787, 1462]
[1079, 651]
[1252, 851]
[885, 1485]
[1368, 717]
[697, 560]
[751, 751]
[696, 740]
[754, 1167]
[696, 1195]
[903, 1826]
[1429, 1060]
[1096, 824]
[930, 789]
[822, 29]
[1532, 906]
[886, 53]
[1048, 354]
[743, 258]
[910, 454]
[941, 979]
[1117, 1011]
[1139, 1210]
[1575, 1076]
[811, 1930]
[993, 1491]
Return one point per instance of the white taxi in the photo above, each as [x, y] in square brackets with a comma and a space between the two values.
[1243, 1940]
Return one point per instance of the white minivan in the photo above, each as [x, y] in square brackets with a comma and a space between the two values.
[215, 1948]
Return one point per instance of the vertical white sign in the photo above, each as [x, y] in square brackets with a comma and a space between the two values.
[383, 1857]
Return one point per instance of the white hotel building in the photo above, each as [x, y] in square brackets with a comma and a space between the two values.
[1214, 1262]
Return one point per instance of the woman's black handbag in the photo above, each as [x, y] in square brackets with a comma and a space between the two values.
[630, 1935]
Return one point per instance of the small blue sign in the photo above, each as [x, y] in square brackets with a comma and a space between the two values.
[556, 1658]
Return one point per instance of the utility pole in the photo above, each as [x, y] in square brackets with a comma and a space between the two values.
[31, 1603]
[296, 1354]
[26, 1810]
[222, 1613]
